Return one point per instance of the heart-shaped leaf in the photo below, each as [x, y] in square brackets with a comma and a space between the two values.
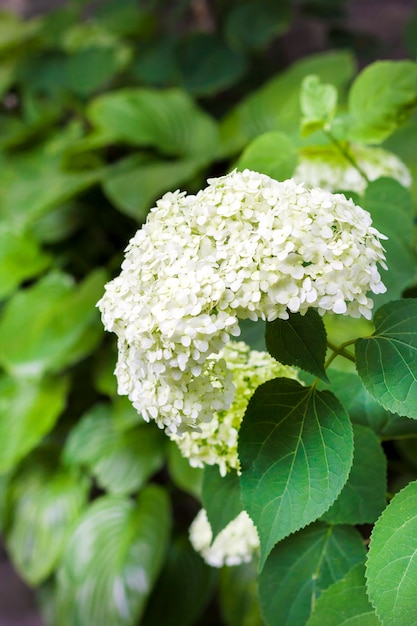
[387, 361]
[296, 450]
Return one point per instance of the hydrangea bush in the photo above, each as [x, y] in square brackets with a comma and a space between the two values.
[252, 462]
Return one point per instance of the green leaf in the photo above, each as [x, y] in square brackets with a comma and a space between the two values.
[382, 97]
[276, 105]
[364, 410]
[391, 568]
[238, 595]
[20, 258]
[167, 120]
[50, 325]
[185, 477]
[207, 65]
[220, 497]
[133, 184]
[252, 24]
[47, 183]
[112, 559]
[120, 461]
[363, 498]
[302, 566]
[345, 603]
[90, 68]
[387, 361]
[273, 154]
[299, 341]
[28, 410]
[296, 449]
[318, 104]
[392, 210]
[16, 32]
[43, 506]
[185, 585]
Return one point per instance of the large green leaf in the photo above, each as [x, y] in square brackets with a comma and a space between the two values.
[50, 325]
[276, 105]
[382, 98]
[134, 183]
[299, 341]
[387, 360]
[345, 603]
[392, 210]
[207, 65]
[20, 258]
[28, 411]
[221, 498]
[302, 566]
[43, 505]
[252, 24]
[183, 589]
[47, 183]
[391, 569]
[273, 154]
[121, 461]
[296, 450]
[112, 559]
[363, 498]
[364, 410]
[167, 120]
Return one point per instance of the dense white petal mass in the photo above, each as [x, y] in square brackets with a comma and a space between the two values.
[235, 544]
[246, 246]
[326, 167]
[215, 442]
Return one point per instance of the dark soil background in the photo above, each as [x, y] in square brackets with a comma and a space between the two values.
[375, 28]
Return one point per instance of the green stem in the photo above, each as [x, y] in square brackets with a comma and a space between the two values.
[340, 351]
[346, 153]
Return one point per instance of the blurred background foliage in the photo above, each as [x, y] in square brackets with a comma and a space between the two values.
[104, 107]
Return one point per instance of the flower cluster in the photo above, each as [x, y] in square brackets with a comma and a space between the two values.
[246, 246]
[215, 442]
[235, 544]
[329, 169]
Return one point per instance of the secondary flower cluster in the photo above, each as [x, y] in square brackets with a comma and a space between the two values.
[246, 246]
[326, 167]
[215, 442]
[235, 544]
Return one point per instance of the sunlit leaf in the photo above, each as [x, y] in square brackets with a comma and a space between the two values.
[28, 411]
[51, 324]
[121, 461]
[20, 258]
[43, 505]
[391, 568]
[167, 120]
[112, 559]
[382, 97]
[273, 154]
[387, 360]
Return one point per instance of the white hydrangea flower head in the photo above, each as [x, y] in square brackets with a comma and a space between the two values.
[327, 168]
[215, 442]
[246, 246]
[235, 544]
